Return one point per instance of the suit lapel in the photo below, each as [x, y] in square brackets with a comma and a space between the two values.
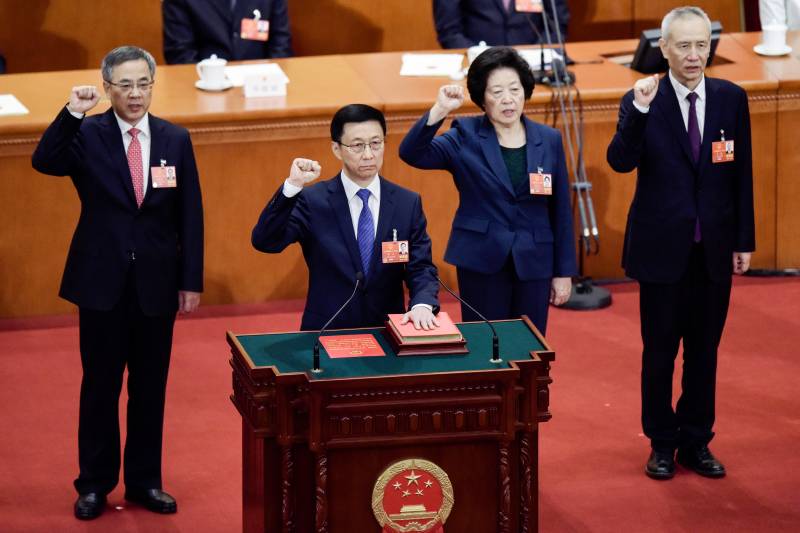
[535, 152]
[341, 211]
[383, 233]
[667, 105]
[491, 151]
[159, 147]
[112, 137]
[712, 125]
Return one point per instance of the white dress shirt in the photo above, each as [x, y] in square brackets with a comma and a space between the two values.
[144, 140]
[681, 92]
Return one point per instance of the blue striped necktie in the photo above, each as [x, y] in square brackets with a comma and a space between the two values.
[366, 231]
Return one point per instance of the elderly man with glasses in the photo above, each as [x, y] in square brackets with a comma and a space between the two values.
[135, 260]
[352, 228]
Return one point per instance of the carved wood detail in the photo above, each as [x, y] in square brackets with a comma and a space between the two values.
[504, 505]
[321, 519]
[525, 482]
[287, 492]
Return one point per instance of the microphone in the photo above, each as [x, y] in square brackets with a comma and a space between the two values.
[316, 369]
[495, 341]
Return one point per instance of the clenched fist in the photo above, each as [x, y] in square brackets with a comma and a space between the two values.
[645, 89]
[303, 171]
[83, 98]
[449, 98]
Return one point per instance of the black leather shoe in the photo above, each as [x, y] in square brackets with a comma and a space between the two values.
[155, 500]
[701, 460]
[89, 506]
[660, 465]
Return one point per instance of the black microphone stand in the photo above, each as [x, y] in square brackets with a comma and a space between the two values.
[495, 340]
[316, 369]
[584, 295]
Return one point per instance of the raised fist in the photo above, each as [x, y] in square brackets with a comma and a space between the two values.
[645, 89]
[303, 171]
[83, 98]
[450, 97]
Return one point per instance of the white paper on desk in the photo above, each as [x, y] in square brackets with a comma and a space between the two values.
[534, 57]
[237, 74]
[431, 64]
[10, 106]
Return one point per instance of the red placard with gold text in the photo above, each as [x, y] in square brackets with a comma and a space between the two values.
[361, 345]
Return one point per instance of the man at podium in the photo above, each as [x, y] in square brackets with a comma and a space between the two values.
[353, 228]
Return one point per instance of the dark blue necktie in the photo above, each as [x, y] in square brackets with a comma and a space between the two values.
[366, 231]
[693, 128]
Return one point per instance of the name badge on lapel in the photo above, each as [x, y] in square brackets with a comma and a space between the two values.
[541, 183]
[722, 150]
[255, 29]
[394, 251]
[164, 177]
[528, 6]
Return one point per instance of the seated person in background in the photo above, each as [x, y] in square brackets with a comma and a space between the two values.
[780, 12]
[2, 64]
[231, 29]
[341, 224]
[465, 23]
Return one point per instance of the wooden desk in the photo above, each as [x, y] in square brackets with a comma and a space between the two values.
[244, 148]
[787, 157]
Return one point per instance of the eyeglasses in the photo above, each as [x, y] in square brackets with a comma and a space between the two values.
[127, 86]
[359, 148]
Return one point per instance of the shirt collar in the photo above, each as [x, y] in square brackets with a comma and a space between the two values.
[351, 187]
[143, 125]
[681, 91]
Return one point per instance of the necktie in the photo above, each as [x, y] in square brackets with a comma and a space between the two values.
[366, 231]
[135, 164]
[507, 5]
[693, 128]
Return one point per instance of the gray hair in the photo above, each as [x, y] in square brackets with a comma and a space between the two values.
[681, 12]
[122, 54]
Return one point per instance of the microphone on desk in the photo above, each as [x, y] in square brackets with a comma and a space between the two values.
[558, 67]
[495, 341]
[316, 369]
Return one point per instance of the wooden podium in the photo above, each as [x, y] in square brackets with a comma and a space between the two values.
[314, 445]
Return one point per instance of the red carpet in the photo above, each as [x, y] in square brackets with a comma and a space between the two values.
[592, 451]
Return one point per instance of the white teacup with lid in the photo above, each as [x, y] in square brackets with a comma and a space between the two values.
[212, 73]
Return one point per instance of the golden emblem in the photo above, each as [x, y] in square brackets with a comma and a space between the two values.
[412, 495]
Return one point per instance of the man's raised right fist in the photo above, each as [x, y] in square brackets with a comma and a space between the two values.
[83, 98]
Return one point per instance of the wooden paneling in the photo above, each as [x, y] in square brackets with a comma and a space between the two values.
[46, 35]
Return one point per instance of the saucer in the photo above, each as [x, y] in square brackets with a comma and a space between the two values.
[201, 84]
[760, 49]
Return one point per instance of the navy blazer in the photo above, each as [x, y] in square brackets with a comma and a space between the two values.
[672, 190]
[493, 220]
[464, 23]
[319, 219]
[165, 234]
[195, 29]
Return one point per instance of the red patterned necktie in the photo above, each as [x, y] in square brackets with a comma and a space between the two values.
[135, 164]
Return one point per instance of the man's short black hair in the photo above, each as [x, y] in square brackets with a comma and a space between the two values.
[492, 59]
[354, 113]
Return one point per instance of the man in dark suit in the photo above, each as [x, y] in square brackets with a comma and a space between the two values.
[230, 29]
[136, 258]
[343, 224]
[465, 23]
[690, 226]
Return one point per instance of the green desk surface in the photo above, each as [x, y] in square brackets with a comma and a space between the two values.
[292, 352]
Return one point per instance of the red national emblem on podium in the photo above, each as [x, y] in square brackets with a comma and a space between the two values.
[412, 495]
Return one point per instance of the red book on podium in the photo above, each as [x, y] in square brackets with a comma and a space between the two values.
[406, 340]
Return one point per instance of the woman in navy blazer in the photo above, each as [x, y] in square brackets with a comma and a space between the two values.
[514, 250]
